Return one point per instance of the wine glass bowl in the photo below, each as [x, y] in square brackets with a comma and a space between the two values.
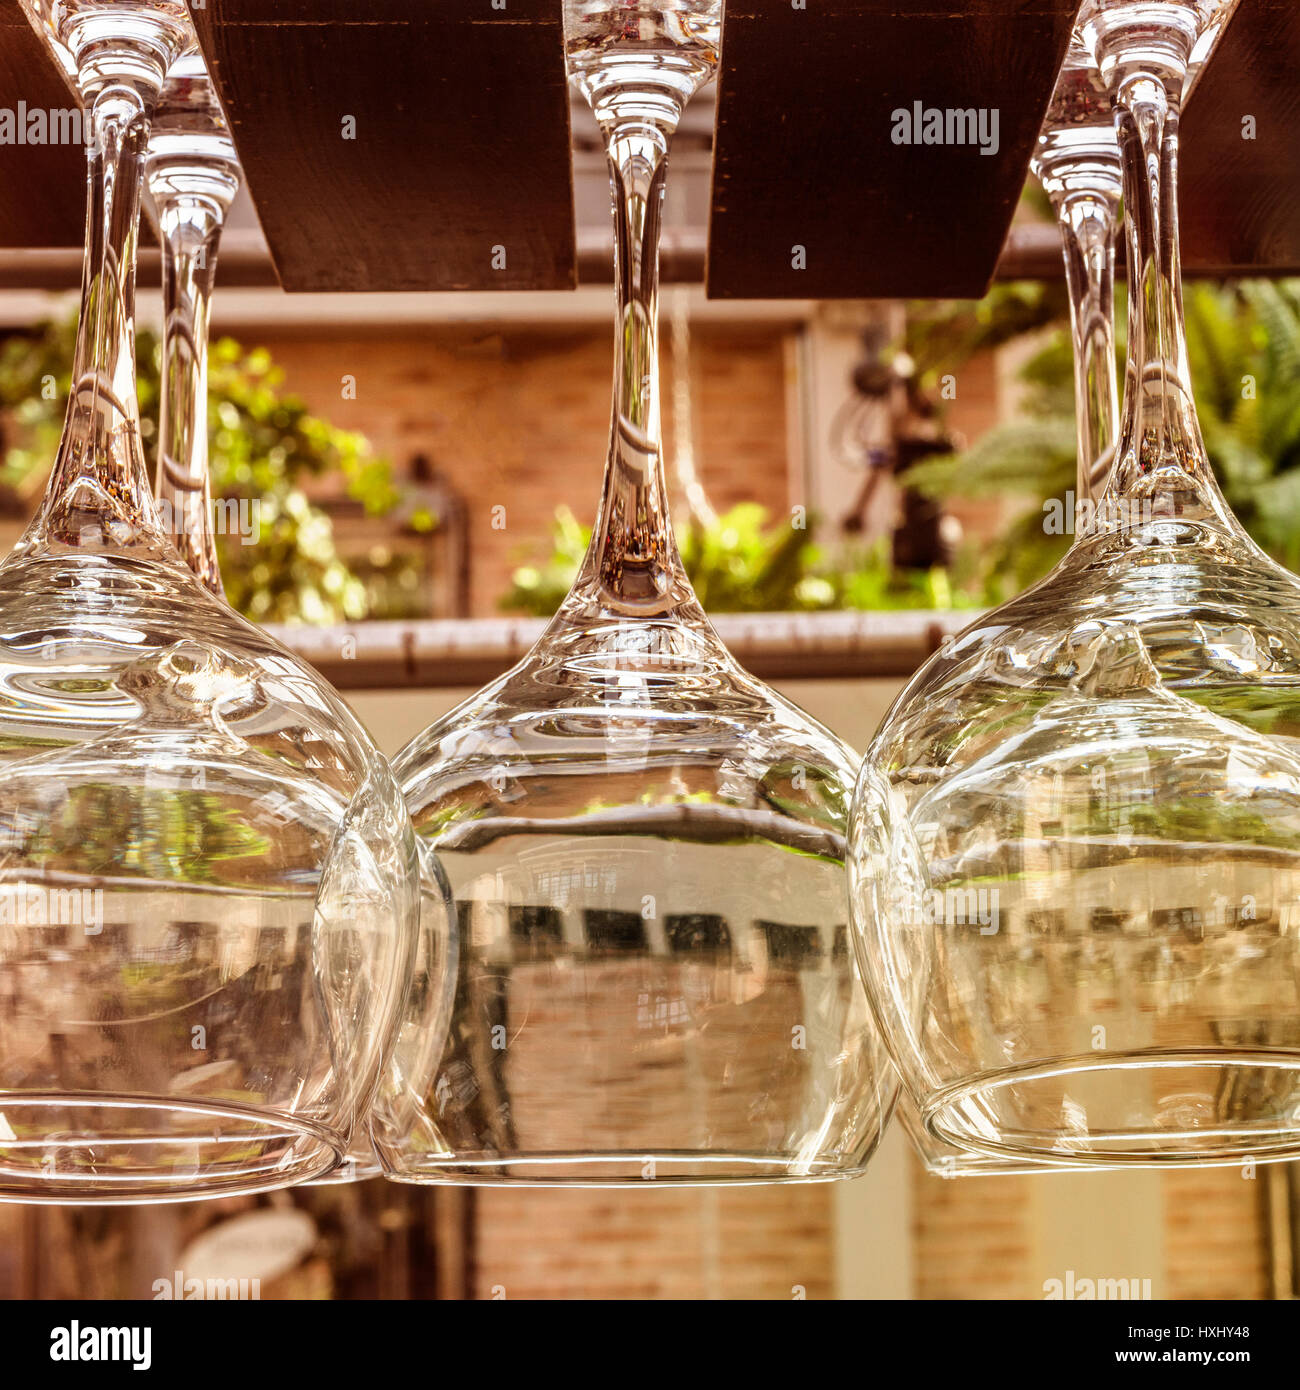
[1122, 809]
[646, 854]
[204, 887]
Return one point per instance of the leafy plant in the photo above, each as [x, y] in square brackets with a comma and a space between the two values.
[263, 442]
[738, 565]
[743, 564]
[1244, 349]
[541, 589]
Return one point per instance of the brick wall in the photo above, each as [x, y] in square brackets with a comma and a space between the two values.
[1214, 1229]
[977, 1238]
[520, 419]
[681, 1243]
[974, 1237]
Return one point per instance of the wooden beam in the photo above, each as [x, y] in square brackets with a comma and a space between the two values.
[805, 153]
[401, 145]
[1239, 148]
[42, 186]
[445, 167]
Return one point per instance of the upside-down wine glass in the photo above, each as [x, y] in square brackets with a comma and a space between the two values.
[207, 876]
[1077, 162]
[192, 175]
[1108, 767]
[645, 844]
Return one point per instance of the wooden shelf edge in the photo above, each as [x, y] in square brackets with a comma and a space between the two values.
[457, 652]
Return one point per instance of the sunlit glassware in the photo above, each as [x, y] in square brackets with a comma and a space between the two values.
[1109, 766]
[192, 176]
[645, 844]
[1077, 162]
[207, 875]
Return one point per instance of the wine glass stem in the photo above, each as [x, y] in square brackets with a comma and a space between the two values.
[633, 562]
[1160, 449]
[99, 492]
[190, 227]
[1089, 222]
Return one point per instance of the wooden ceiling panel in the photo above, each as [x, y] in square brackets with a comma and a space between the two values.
[806, 154]
[459, 175]
[1239, 148]
[42, 186]
[401, 145]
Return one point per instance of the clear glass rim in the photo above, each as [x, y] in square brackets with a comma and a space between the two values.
[672, 1168]
[1219, 1145]
[316, 1149]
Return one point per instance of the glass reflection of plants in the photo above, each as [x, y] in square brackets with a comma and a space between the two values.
[279, 560]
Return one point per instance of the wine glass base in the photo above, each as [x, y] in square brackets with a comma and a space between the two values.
[972, 1165]
[348, 1172]
[947, 1161]
[1155, 1108]
[627, 1169]
[72, 1149]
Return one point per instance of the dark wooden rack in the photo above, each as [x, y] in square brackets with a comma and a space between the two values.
[460, 175]
[42, 186]
[401, 146]
[1241, 196]
[811, 196]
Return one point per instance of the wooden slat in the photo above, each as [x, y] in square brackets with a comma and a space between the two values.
[42, 187]
[804, 155]
[1240, 197]
[462, 139]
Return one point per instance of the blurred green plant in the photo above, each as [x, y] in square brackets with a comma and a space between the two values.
[942, 334]
[1243, 341]
[744, 564]
[263, 442]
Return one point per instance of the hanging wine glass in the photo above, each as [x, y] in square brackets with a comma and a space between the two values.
[645, 844]
[1077, 162]
[1109, 766]
[207, 882]
[192, 175]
